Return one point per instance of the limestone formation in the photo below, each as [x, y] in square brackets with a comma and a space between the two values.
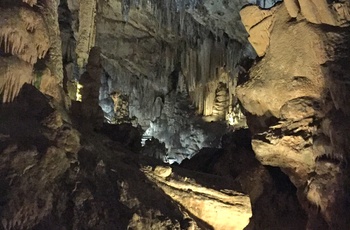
[292, 7]
[86, 31]
[13, 74]
[335, 13]
[302, 77]
[24, 34]
[258, 23]
[297, 105]
[221, 210]
[30, 166]
[49, 11]
[91, 82]
[181, 70]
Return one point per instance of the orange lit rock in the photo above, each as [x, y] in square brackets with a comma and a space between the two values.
[292, 7]
[258, 23]
[24, 34]
[220, 209]
[13, 74]
[320, 11]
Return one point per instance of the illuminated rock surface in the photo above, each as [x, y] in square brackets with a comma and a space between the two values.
[172, 75]
[296, 98]
[220, 209]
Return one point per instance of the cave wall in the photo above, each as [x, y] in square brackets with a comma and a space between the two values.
[149, 51]
[295, 98]
[30, 38]
[184, 59]
[159, 54]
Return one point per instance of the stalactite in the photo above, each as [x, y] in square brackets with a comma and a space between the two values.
[87, 30]
[202, 50]
[13, 74]
[24, 36]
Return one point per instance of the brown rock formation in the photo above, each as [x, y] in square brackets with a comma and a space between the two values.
[13, 74]
[258, 23]
[286, 91]
[48, 171]
[24, 34]
[237, 164]
[175, 60]
[220, 209]
[320, 12]
[87, 30]
[91, 82]
[297, 106]
[29, 33]
[33, 158]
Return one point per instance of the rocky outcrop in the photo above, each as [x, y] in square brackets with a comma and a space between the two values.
[23, 35]
[159, 65]
[335, 13]
[294, 108]
[237, 164]
[220, 209]
[49, 170]
[37, 148]
[28, 33]
[258, 23]
[296, 105]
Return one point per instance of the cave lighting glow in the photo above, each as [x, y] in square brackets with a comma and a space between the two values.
[78, 93]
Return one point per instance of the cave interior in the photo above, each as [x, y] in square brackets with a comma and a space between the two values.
[174, 114]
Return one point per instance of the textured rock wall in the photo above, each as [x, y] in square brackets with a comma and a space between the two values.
[296, 104]
[86, 32]
[23, 35]
[155, 52]
[53, 176]
[220, 209]
[28, 33]
[266, 186]
[36, 149]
